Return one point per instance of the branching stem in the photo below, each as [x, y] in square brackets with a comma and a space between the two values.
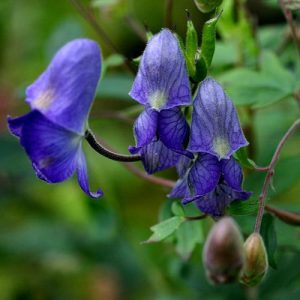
[270, 173]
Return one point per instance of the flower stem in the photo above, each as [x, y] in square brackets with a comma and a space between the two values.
[91, 139]
[169, 10]
[289, 18]
[290, 218]
[270, 173]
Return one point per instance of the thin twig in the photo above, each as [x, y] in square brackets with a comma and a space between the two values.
[270, 173]
[154, 179]
[290, 218]
[90, 18]
[169, 11]
[289, 18]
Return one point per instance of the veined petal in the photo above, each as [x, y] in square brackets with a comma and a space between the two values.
[215, 202]
[232, 173]
[215, 125]
[65, 91]
[181, 189]
[183, 165]
[162, 79]
[203, 176]
[15, 125]
[83, 177]
[145, 128]
[52, 149]
[173, 129]
[157, 157]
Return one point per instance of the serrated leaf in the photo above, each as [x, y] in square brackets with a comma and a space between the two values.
[188, 235]
[268, 234]
[242, 157]
[165, 229]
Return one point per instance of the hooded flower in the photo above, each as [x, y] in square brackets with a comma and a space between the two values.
[60, 100]
[162, 86]
[215, 125]
[211, 184]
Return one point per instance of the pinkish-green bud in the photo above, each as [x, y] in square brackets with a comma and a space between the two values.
[223, 254]
[256, 264]
[207, 6]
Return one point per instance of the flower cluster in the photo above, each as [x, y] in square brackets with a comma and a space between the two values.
[209, 175]
[61, 98]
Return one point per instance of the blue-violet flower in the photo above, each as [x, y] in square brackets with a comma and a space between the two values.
[60, 101]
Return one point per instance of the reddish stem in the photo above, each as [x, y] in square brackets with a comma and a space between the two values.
[270, 173]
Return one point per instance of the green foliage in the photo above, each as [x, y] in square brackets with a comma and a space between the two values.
[270, 238]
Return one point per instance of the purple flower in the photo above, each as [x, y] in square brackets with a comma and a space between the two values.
[162, 81]
[211, 184]
[161, 85]
[215, 125]
[60, 99]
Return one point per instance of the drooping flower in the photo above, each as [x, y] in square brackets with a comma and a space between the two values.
[211, 184]
[162, 86]
[215, 125]
[60, 101]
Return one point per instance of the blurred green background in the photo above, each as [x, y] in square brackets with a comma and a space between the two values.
[55, 242]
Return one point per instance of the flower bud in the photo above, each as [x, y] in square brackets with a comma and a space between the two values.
[207, 6]
[256, 264]
[223, 255]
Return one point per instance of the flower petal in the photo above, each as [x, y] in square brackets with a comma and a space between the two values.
[65, 91]
[162, 80]
[15, 125]
[83, 177]
[173, 129]
[183, 165]
[52, 149]
[215, 125]
[180, 190]
[203, 176]
[145, 128]
[232, 172]
[215, 202]
[157, 157]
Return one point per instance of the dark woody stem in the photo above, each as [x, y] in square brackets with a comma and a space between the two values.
[269, 175]
[91, 139]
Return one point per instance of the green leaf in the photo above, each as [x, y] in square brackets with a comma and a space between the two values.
[102, 3]
[188, 235]
[269, 236]
[164, 229]
[115, 86]
[240, 208]
[242, 157]
[272, 84]
[209, 40]
[177, 209]
[207, 6]
[191, 46]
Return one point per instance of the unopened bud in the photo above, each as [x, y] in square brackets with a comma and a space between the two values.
[207, 6]
[256, 264]
[223, 254]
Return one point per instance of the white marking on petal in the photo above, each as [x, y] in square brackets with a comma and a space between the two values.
[157, 100]
[44, 100]
[221, 146]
